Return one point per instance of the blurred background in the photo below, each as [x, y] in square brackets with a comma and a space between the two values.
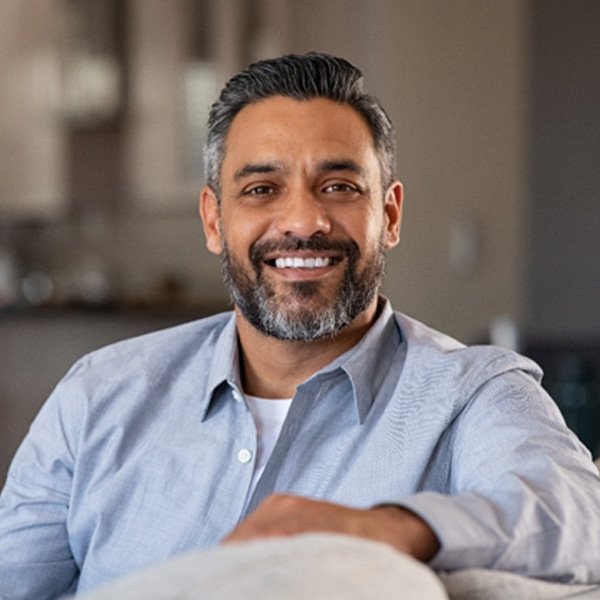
[102, 112]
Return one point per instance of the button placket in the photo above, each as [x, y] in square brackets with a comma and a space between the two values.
[246, 451]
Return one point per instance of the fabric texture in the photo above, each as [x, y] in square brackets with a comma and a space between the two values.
[323, 567]
[315, 566]
[146, 450]
[269, 416]
[482, 584]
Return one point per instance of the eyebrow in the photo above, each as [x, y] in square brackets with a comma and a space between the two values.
[324, 166]
[343, 164]
[257, 168]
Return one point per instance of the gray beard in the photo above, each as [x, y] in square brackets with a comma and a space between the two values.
[276, 317]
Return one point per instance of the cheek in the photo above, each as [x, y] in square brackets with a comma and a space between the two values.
[367, 231]
[240, 232]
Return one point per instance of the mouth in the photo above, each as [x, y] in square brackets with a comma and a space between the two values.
[303, 262]
[299, 259]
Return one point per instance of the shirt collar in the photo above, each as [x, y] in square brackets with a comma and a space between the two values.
[366, 364]
[224, 364]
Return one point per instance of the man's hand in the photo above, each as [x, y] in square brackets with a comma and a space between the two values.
[282, 515]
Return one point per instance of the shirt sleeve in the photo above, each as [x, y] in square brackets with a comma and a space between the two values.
[35, 555]
[524, 494]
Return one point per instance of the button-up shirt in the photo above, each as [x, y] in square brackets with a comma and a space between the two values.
[146, 449]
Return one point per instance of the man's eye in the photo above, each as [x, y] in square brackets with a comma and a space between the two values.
[340, 188]
[259, 190]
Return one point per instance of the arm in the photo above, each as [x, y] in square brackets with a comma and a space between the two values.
[283, 515]
[508, 487]
[35, 556]
[524, 494]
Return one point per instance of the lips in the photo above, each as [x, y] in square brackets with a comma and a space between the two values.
[297, 262]
[297, 253]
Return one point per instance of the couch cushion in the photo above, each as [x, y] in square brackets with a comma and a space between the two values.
[482, 584]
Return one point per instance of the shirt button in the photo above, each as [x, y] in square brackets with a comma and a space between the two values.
[236, 396]
[244, 455]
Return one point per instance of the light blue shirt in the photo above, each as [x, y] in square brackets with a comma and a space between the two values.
[146, 449]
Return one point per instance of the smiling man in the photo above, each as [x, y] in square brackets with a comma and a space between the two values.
[312, 407]
[302, 220]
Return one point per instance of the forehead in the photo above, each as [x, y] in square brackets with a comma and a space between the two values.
[298, 131]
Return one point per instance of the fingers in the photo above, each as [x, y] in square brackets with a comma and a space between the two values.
[283, 515]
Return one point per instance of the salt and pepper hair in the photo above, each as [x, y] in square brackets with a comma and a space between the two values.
[301, 77]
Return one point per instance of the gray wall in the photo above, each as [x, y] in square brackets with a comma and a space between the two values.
[454, 77]
[564, 219]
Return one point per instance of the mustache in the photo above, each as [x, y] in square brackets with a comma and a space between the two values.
[345, 247]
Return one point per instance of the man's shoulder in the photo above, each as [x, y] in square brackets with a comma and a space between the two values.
[160, 347]
[417, 334]
[427, 347]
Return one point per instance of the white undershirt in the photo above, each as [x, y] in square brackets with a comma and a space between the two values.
[268, 415]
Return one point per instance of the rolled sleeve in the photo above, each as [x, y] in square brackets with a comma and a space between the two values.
[523, 489]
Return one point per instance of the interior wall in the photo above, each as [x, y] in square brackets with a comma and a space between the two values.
[453, 76]
[31, 143]
[564, 290]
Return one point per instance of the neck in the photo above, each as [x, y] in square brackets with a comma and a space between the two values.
[273, 368]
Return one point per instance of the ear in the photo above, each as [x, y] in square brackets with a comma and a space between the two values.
[209, 213]
[393, 214]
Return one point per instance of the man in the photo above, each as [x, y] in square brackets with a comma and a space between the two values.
[312, 407]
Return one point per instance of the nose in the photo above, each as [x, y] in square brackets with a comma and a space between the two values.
[303, 214]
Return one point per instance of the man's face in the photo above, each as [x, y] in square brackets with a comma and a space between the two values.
[303, 223]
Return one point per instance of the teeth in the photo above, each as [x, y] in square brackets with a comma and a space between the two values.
[295, 262]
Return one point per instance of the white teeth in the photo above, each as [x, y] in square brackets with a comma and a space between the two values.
[295, 262]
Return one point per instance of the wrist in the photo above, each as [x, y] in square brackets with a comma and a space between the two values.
[405, 531]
